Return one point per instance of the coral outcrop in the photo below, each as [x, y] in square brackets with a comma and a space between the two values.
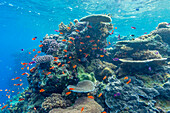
[90, 106]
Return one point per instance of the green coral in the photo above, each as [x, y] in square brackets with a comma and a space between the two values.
[85, 76]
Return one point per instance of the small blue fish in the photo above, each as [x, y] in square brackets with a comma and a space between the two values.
[22, 49]
[149, 68]
[137, 9]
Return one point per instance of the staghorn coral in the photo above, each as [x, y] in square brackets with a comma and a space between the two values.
[55, 101]
[44, 59]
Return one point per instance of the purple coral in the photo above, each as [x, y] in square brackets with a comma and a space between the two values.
[44, 59]
[50, 46]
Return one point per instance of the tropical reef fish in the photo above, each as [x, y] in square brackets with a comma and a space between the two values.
[133, 27]
[68, 93]
[82, 109]
[71, 89]
[4, 107]
[21, 99]
[128, 81]
[42, 90]
[91, 97]
[104, 77]
[125, 78]
[100, 95]
[34, 38]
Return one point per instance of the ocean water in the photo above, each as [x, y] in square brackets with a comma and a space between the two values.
[22, 20]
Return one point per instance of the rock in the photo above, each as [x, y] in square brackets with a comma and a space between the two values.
[90, 106]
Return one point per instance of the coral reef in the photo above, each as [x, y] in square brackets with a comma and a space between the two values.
[44, 59]
[90, 106]
[121, 97]
[83, 86]
[133, 77]
[55, 101]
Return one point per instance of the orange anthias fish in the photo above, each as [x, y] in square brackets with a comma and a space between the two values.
[17, 78]
[87, 36]
[74, 66]
[34, 38]
[35, 55]
[61, 33]
[91, 97]
[23, 73]
[29, 52]
[104, 112]
[42, 90]
[104, 77]
[4, 107]
[41, 45]
[52, 67]
[71, 88]
[101, 55]
[28, 68]
[59, 63]
[128, 81]
[115, 27]
[48, 73]
[125, 78]
[21, 99]
[65, 50]
[23, 63]
[39, 52]
[91, 40]
[109, 43]
[33, 50]
[68, 62]
[56, 58]
[81, 42]
[80, 50]
[68, 27]
[100, 95]
[82, 109]
[77, 30]
[62, 65]
[70, 42]
[70, 57]
[72, 38]
[68, 93]
[64, 40]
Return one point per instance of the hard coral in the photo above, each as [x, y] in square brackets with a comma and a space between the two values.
[90, 106]
[44, 59]
[55, 101]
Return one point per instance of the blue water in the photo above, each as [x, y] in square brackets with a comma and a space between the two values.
[21, 20]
